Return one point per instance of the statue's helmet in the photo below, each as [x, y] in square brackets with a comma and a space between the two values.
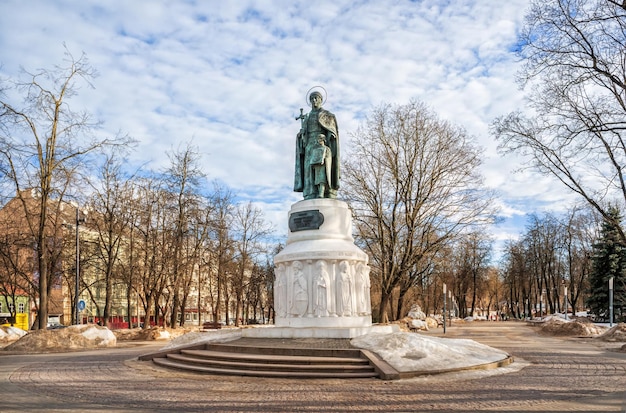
[315, 93]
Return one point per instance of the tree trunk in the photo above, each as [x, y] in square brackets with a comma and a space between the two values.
[148, 312]
[218, 300]
[43, 284]
[108, 293]
[401, 302]
[175, 306]
[182, 307]
[385, 299]
[129, 309]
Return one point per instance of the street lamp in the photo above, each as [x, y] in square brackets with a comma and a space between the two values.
[566, 302]
[451, 308]
[565, 294]
[444, 308]
[611, 302]
[79, 221]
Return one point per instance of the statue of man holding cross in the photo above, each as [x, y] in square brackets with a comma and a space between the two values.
[317, 146]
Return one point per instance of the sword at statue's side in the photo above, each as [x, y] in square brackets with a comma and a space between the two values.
[301, 118]
[301, 134]
[298, 185]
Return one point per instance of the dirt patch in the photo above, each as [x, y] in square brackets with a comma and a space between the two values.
[410, 324]
[84, 337]
[152, 333]
[575, 328]
[615, 334]
[78, 337]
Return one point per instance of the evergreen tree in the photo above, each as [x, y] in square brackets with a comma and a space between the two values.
[608, 260]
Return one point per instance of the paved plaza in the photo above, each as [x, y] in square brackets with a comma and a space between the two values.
[549, 375]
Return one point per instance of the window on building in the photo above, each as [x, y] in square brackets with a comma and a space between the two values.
[21, 308]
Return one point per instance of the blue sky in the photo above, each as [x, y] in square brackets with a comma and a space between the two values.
[230, 76]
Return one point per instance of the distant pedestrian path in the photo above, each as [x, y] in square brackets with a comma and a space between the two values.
[550, 374]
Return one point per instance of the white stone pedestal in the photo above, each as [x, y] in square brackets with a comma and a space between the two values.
[322, 286]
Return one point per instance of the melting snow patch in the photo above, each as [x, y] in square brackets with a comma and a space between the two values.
[199, 337]
[101, 336]
[408, 352]
[11, 333]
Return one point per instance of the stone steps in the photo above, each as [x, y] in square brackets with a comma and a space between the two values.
[283, 362]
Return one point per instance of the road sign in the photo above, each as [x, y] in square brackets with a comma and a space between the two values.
[81, 305]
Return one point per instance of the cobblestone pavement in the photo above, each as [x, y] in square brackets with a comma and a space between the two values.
[549, 375]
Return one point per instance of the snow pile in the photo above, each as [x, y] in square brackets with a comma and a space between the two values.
[616, 333]
[198, 337]
[8, 333]
[416, 313]
[152, 333]
[408, 352]
[410, 324]
[100, 336]
[433, 322]
[163, 335]
[70, 338]
[416, 319]
[418, 325]
[555, 317]
[581, 327]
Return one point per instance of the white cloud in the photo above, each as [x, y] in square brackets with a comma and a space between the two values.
[231, 76]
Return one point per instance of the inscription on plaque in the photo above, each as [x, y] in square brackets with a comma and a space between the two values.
[304, 220]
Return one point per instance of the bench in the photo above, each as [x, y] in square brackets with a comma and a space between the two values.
[211, 325]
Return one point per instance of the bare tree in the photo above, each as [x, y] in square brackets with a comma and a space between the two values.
[110, 220]
[154, 247]
[581, 227]
[517, 282]
[250, 228]
[543, 242]
[474, 252]
[553, 252]
[183, 179]
[575, 70]
[42, 144]
[16, 267]
[413, 183]
[223, 249]
[131, 258]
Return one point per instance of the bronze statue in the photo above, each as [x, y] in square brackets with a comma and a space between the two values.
[317, 152]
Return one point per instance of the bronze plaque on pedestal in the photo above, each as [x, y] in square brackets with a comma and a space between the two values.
[305, 220]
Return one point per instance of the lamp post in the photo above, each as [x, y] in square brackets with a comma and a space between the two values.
[611, 302]
[451, 308]
[79, 220]
[565, 296]
[565, 303]
[444, 308]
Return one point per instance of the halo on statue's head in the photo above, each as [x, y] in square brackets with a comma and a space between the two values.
[316, 89]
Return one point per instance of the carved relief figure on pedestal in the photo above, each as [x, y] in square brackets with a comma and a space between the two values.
[300, 296]
[280, 291]
[363, 303]
[321, 285]
[344, 293]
